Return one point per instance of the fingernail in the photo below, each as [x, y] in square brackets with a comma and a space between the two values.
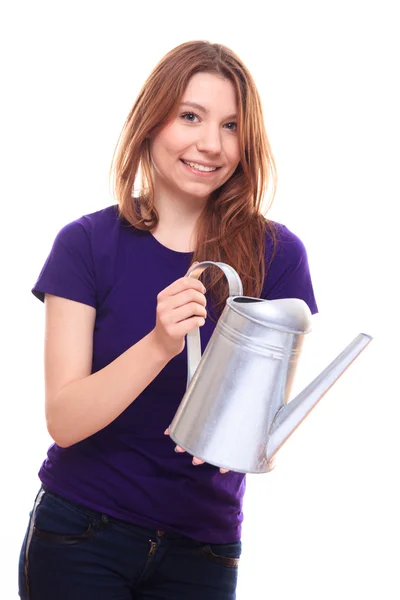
[195, 464]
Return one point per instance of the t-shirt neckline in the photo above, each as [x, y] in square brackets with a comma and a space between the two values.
[167, 250]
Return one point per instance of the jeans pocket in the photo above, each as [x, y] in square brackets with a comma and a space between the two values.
[227, 555]
[59, 522]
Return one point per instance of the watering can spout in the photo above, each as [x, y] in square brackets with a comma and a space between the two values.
[234, 414]
[289, 416]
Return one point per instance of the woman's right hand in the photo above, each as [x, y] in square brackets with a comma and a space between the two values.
[180, 309]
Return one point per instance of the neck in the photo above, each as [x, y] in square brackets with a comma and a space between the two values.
[178, 218]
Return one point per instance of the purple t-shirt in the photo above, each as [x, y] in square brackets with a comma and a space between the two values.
[129, 469]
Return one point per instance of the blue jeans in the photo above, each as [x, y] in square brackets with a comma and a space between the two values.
[72, 553]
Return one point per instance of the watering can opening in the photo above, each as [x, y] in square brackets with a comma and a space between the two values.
[246, 300]
[236, 412]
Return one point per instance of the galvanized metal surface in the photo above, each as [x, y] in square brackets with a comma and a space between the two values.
[236, 412]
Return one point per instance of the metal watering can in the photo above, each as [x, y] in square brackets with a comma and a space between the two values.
[236, 412]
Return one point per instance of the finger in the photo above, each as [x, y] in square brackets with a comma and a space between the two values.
[183, 298]
[196, 262]
[224, 470]
[179, 449]
[184, 327]
[193, 309]
[197, 461]
[170, 317]
[180, 285]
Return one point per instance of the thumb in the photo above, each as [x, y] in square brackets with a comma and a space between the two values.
[196, 262]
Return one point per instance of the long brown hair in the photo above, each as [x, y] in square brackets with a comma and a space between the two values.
[232, 227]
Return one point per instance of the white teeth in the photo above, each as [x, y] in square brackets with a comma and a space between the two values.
[199, 167]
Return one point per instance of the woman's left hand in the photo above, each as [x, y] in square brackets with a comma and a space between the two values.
[195, 461]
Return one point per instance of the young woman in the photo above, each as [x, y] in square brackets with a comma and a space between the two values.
[119, 513]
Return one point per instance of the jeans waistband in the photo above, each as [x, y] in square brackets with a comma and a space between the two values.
[126, 525]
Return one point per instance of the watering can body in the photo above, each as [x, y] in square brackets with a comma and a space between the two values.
[236, 411]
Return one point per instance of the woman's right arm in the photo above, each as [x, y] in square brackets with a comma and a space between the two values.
[78, 403]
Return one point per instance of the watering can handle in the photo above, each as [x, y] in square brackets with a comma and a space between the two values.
[193, 337]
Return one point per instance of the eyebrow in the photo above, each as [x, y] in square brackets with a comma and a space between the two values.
[204, 109]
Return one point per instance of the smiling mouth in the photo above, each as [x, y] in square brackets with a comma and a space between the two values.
[199, 166]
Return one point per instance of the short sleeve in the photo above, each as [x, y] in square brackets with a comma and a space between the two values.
[69, 270]
[289, 275]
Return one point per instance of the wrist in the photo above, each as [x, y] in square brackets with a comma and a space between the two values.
[157, 350]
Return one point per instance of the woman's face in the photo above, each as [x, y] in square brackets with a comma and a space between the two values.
[199, 149]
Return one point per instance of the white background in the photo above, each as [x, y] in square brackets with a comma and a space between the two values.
[324, 523]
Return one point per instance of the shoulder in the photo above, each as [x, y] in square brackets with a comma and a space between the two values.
[287, 269]
[82, 241]
[77, 263]
[283, 247]
[88, 228]
[101, 219]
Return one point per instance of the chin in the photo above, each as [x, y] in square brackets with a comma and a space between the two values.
[197, 194]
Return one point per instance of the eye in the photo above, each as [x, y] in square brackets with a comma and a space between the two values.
[190, 117]
[231, 126]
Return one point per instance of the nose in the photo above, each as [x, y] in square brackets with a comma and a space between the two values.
[209, 140]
